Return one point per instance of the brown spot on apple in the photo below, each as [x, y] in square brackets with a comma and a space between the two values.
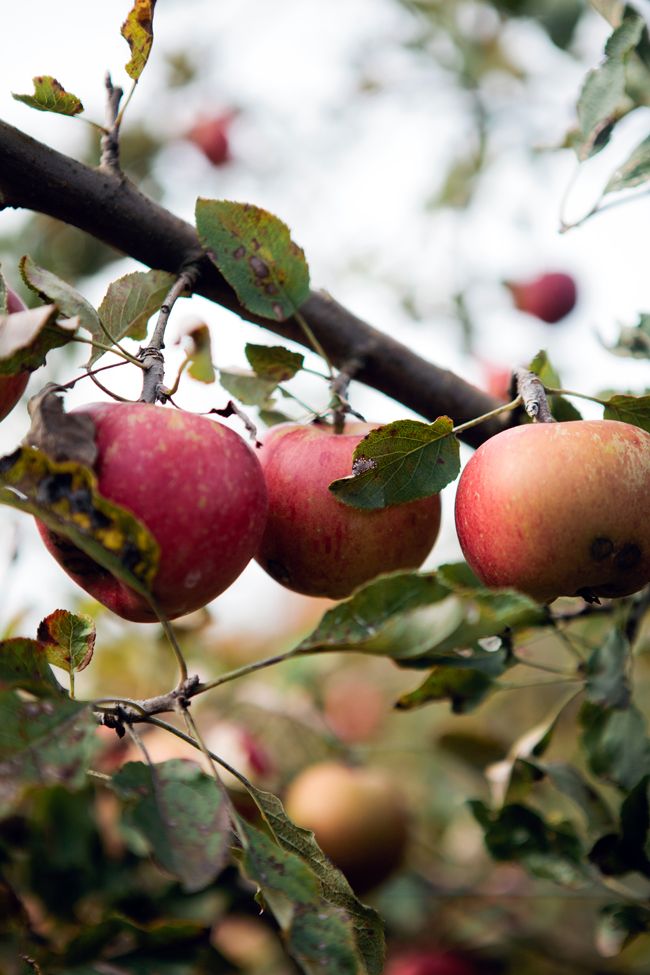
[628, 557]
[601, 548]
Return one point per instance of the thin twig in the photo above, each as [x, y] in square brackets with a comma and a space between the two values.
[110, 141]
[152, 358]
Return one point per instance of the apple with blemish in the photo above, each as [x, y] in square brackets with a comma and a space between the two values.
[317, 545]
[550, 297]
[12, 387]
[198, 488]
[559, 509]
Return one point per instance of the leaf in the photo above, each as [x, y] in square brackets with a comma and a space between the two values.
[53, 289]
[128, 305]
[626, 36]
[465, 689]
[200, 355]
[50, 96]
[629, 409]
[616, 744]
[247, 387]
[570, 782]
[606, 672]
[137, 31]
[27, 336]
[336, 890]
[60, 435]
[45, 742]
[69, 640]
[561, 409]
[274, 362]
[517, 833]
[634, 340]
[63, 495]
[601, 104]
[620, 853]
[619, 925]
[633, 172]
[24, 665]
[318, 936]
[402, 461]
[4, 307]
[254, 252]
[182, 814]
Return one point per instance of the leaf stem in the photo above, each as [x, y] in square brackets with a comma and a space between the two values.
[247, 669]
[315, 344]
[507, 407]
[178, 653]
[116, 349]
[570, 392]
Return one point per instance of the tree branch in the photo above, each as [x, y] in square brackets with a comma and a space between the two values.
[36, 177]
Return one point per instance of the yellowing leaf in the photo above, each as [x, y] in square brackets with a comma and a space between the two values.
[137, 31]
[50, 96]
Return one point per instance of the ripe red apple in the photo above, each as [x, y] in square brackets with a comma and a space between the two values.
[358, 817]
[315, 544]
[12, 387]
[550, 296]
[559, 509]
[429, 961]
[210, 135]
[198, 488]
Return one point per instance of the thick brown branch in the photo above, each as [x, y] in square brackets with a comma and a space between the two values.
[35, 177]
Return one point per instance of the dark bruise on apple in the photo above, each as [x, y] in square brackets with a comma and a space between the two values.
[12, 387]
[198, 488]
[559, 509]
[314, 543]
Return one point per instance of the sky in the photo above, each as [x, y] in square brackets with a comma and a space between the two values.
[344, 133]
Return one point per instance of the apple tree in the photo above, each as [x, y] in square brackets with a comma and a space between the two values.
[142, 825]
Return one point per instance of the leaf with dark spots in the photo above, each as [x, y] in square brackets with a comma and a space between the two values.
[45, 742]
[182, 814]
[403, 461]
[50, 96]
[254, 251]
[24, 665]
[137, 31]
[60, 435]
[68, 639]
[64, 496]
[27, 336]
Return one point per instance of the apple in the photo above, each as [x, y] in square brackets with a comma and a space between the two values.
[549, 296]
[198, 488]
[559, 509]
[497, 381]
[210, 135]
[12, 387]
[358, 817]
[429, 961]
[316, 544]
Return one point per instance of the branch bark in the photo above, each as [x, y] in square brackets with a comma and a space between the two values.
[35, 177]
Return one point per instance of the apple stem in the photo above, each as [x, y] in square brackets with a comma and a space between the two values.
[533, 395]
[110, 141]
[151, 355]
[505, 408]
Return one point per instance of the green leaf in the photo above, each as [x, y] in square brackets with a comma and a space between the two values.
[465, 689]
[63, 495]
[45, 742]
[627, 35]
[182, 814]
[68, 640]
[50, 96]
[561, 409]
[607, 672]
[247, 387]
[24, 664]
[274, 362]
[519, 834]
[367, 924]
[318, 936]
[629, 409]
[254, 252]
[27, 336]
[633, 172]
[619, 925]
[634, 340]
[568, 780]
[616, 744]
[53, 289]
[128, 305]
[137, 31]
[200, 355]
[620, 853]
[402, 461]
[601, 104]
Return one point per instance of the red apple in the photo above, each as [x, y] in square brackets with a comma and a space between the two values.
[497, 380]
[198, 488]
[559, 509]
[210, 135]
[550, 296]
[429, 961]
[315, 544]
[358, 817]
[12, 387]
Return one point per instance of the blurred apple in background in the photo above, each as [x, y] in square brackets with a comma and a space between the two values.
[12, 387]
[430, 961]
[496, 380]
[549, 296]
[210, 134]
